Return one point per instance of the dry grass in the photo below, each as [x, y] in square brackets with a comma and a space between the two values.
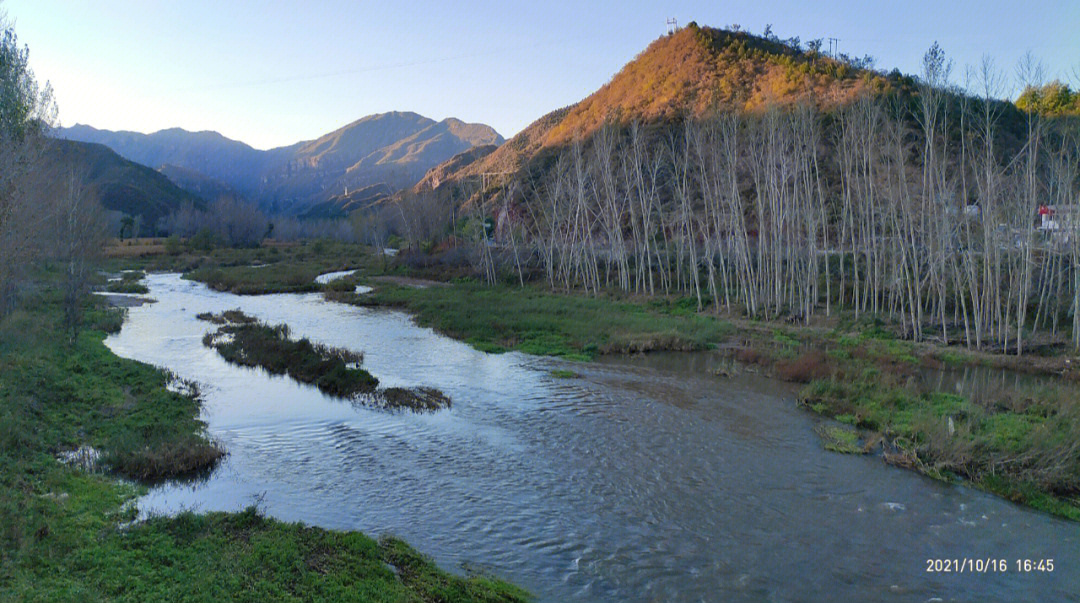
[805, 368]
[130, 248]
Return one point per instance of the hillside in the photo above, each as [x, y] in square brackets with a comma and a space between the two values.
[436, 175]
[197, 183]
[691, 72]
[118, 184]
[389, 150]
[342, 205]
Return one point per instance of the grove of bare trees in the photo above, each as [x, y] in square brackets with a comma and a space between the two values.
[227, 221]
[920, 210]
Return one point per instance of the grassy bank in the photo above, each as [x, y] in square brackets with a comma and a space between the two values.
[534, 321]
[65, 533]
[1019, 440]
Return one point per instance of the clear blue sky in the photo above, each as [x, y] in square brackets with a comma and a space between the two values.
[273, 73]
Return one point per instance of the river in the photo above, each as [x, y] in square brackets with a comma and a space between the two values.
[644, 479]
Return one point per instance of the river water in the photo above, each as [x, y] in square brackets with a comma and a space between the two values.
[644, 479]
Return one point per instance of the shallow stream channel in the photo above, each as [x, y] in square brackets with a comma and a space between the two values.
[641, 479]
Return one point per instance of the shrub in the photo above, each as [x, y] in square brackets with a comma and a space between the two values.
[805, 368]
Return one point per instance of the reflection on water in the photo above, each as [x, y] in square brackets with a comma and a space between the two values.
[644, 479]
[979, 382]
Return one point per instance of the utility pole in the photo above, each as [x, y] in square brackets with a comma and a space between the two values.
[672, 25]
[834, 46]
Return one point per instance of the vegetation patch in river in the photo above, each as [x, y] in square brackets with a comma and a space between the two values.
[129, 282]
[840, 439]
[244, 340]
[573, 327]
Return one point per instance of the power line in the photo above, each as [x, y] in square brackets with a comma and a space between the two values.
[834, 46]
[370, 68]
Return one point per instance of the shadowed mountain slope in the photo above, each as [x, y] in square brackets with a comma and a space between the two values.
[118, 184]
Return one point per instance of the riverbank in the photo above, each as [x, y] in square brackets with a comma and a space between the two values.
[68, 532]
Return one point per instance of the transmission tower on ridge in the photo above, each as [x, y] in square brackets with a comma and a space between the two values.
[672, 25]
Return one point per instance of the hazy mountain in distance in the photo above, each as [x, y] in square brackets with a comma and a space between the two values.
[230, 161]
[393, 150]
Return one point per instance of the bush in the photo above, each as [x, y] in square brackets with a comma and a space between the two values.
[805, 368]
[204, 240]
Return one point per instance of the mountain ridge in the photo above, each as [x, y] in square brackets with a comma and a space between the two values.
[392, 149]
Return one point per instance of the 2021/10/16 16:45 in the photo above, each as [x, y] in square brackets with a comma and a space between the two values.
[983, 566]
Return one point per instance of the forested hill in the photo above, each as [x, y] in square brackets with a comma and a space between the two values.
[739, 168]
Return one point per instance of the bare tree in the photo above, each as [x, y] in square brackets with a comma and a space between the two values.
[78, 236]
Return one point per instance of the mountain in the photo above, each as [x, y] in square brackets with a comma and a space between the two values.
[445, 170]
[355, 199]
[691, 72]
[118, 184]
[197, 183]
[209, 153]
[391, 150]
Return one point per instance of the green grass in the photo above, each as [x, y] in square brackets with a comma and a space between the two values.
[500, 318]
[283, 277]
[287, 270]
[128, 283]
[840, 439]
[66, 535]
[1018, 442]
[252, 271]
